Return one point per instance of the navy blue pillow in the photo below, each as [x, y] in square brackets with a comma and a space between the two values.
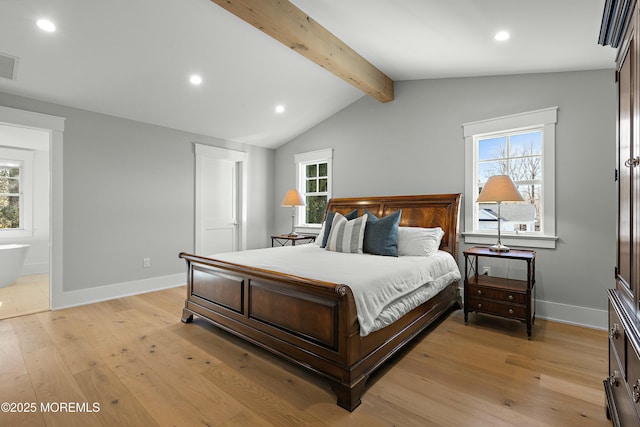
[381, 234]
[329, 220]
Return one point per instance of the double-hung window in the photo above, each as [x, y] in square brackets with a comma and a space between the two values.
[15, 192]
[10, 200]
[523, 147]
[313, 178]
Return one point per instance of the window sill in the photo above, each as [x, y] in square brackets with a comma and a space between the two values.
[15, 234]
[524, 241]
[308, 229]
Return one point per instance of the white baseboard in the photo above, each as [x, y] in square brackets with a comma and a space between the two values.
[68, 299]
[572, 314]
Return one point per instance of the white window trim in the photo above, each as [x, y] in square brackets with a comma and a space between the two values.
[547, 118]
[325, 155]
[25, 157]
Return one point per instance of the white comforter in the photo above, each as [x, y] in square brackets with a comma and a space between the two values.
[384, 288]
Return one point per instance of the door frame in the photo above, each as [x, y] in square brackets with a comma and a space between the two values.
[54, 125]
[241, 159]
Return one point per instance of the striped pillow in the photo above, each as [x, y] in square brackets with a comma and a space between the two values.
[345, 235]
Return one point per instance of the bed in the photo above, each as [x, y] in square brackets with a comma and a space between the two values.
[312, 322]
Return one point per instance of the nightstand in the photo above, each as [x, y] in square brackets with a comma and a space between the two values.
[509, 298]
[282, 239]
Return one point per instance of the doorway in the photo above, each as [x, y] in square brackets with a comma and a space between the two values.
[220, 208]
[54, 127]
[24, 220]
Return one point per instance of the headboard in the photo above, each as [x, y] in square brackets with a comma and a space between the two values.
[429, 210]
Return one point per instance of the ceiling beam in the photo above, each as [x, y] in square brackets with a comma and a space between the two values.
[289, 25]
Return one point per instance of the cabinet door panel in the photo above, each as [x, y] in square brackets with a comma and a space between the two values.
[625, 174]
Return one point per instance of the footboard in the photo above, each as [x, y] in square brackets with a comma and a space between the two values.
[314, 323]
[307, 321]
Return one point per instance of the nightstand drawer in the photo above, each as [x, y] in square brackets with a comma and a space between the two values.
[497, 294]
[491, 307]
[501, 296]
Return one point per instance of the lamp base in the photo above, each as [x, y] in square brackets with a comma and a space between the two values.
[293, 234]
[499, 247]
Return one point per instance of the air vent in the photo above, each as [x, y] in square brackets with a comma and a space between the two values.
[8, 66]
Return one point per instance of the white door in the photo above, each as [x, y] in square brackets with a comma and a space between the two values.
[219, 200]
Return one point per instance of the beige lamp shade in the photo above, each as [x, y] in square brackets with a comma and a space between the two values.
[292, 198]
[499, 188]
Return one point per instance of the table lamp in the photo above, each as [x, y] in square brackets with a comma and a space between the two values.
[292, 199]
[498, 189]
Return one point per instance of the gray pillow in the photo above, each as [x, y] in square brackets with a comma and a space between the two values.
[329, 220]
[347, 235]
[381, 234]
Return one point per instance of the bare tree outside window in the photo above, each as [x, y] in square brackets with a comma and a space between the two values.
[518, 155]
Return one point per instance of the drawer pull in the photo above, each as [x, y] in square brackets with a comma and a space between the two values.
[510, 297]
[479, 291]
[636, 391]
[479, 305]
[614, 378]
[614, 332]
[511, 311]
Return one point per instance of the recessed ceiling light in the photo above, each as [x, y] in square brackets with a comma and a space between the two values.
[46, 25]
[195, 80]
[280, 109]
[502, 36]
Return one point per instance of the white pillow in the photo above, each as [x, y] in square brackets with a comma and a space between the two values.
[346, 236]
[419, 241]
[320, 235]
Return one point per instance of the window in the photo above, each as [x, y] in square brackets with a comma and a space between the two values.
[15, 192]
[10, 201]
[313, 172]
[523, 147]
[519, 155]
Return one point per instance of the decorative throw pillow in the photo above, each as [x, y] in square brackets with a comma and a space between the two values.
[419, 241]
[381, 234]
[326, 225]
[346, 235]
[320, 235]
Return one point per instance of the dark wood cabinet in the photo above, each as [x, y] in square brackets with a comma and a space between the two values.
[510, 298]
[622, 387]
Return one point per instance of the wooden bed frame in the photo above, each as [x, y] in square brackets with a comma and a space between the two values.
[313, 323]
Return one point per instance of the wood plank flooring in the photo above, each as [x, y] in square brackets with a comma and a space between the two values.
[134, 361]
[29, 294]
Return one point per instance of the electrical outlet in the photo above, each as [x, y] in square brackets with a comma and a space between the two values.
[146, 262]
[486, 271]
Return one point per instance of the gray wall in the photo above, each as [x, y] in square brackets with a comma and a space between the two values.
[414, 145]
[128, 186]
[129, 194]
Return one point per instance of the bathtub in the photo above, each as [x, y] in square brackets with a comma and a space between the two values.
[11, 262]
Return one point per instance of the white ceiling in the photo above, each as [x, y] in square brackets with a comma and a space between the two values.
[133, 58]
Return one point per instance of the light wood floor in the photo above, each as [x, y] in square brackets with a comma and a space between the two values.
[143, 367]
[29, 294]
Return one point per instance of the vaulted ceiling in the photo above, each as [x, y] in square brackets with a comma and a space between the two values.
[133, 58]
